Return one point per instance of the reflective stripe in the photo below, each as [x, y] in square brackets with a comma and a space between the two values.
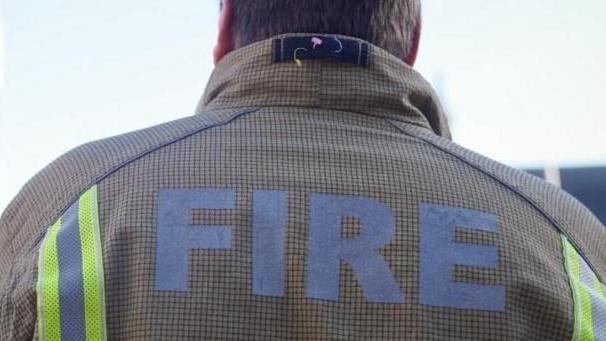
[92, 261]
[71, 289]
[599, 310]
[49, 325]
[70, 276]
[589, 300]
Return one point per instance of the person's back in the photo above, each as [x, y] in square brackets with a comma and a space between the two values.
[315, 195]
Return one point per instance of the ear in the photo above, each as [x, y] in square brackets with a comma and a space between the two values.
[225, 42]
[411, 58]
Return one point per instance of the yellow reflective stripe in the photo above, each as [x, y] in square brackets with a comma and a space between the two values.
[568, 262]
[581, 292]
[92, 267]
[99, 264]
[49, 316]
[71, 284]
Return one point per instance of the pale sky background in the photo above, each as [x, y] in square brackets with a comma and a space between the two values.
[523, 80]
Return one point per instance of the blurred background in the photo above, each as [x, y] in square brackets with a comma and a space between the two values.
[523, 81]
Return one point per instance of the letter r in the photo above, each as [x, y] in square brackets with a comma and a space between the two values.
[176, 236]
[327, 248]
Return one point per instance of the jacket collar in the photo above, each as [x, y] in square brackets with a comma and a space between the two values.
[386, 88]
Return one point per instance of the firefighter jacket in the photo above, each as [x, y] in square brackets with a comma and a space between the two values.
[315, 195]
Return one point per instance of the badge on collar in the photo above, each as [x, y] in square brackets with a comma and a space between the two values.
[297, 49]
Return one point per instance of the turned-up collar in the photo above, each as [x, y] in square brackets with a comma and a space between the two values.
[374, 82]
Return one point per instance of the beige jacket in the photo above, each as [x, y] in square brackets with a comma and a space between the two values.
[316, 194]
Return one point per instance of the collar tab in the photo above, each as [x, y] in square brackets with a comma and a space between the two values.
[296, 49]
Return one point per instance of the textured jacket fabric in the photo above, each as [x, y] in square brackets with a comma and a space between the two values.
[317, 135]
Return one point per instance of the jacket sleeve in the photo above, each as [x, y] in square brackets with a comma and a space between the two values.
[23, 226]
[17, 274]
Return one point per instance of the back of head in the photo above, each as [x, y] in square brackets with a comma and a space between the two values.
[390, 24]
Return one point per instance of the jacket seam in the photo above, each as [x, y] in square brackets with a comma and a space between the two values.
[552, 220]
[382, 117]
[99, 178]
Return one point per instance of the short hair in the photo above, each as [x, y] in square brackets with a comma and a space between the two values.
[389, 24]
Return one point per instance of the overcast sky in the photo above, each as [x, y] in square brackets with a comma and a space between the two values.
[523, 81]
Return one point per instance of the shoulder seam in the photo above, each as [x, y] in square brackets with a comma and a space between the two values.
[552, 220]
[99, 178]
[427, 127]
